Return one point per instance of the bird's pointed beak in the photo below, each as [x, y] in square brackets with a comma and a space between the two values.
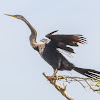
[11, 15]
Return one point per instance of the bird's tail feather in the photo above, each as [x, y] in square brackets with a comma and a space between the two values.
[88, 72]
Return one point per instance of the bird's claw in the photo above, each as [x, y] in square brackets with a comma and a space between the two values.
[52, 78]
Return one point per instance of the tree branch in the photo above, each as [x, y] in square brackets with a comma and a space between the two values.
[60, 88]
[93, 84]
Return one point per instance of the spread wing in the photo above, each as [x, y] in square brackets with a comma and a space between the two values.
[62, 41]
[71, 40]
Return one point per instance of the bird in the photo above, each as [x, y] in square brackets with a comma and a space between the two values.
[49, 49]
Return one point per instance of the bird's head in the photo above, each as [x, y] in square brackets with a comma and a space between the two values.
[16, 16]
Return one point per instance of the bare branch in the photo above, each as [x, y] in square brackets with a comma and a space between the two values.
[93, 84]
[60, 88]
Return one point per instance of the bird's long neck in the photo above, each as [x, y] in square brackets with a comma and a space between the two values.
[33, 31]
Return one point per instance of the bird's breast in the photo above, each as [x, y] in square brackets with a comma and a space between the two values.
[49, 54]
[41, 48]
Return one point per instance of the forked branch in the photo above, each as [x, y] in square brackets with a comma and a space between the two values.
[60, 88]
[91, 83]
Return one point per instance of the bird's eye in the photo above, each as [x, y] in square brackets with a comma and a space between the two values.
[19, 17]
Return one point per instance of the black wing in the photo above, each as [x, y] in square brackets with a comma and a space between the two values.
[71, 40]
[63, 40]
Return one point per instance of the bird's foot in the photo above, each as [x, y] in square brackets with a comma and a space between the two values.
[52, 78]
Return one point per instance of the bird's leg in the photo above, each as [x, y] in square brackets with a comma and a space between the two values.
[55, 72]
[51, 78]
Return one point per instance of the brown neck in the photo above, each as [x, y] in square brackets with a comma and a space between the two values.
[33, 31]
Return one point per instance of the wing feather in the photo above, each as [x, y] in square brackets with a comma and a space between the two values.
[71, 40]
[61, 41]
